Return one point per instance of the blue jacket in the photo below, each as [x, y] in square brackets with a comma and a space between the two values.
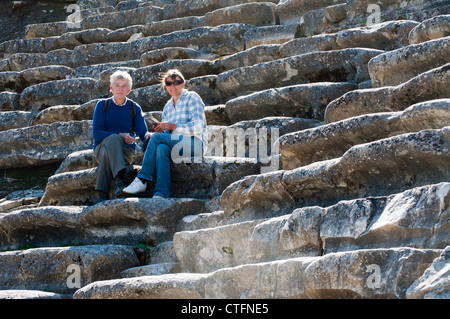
[118, 119]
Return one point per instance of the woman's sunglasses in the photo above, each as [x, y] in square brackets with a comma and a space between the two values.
[176, 82]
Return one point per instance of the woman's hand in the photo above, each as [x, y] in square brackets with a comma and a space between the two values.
[165, 126]
[127, 138]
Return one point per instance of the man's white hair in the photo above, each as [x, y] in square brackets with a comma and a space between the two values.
[123, 76]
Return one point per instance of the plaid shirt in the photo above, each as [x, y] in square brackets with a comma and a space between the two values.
[188, 115]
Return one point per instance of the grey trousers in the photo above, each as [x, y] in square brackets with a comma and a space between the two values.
[112, 156]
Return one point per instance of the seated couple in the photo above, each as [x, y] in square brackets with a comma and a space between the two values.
[117, 120]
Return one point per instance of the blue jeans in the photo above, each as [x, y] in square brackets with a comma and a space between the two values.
[161, 149]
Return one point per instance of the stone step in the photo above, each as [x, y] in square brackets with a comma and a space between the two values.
[348, 65]
[63, 270]
[31, 294]
[377, 168]
[398, 66]
[194, 179]
[430, 29]
[129, 221]
[361, 12]
[398, 273]
[430, 85]
[389, 35]
[307, 100]
[43, 144]
[333, 140]
[201, 7]
[416, 218]
[57, 92]
[253, 138]
[291, 11]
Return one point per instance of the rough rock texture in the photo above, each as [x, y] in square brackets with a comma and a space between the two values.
[333, 140]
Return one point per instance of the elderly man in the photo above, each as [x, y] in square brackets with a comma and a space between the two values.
[115, 124]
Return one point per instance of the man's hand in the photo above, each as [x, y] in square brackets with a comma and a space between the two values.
[127, 138]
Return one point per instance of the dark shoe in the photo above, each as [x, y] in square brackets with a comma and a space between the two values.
[118, 188]
[102, 197]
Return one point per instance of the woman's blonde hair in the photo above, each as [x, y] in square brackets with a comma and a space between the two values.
[123, 75]
[172, 73]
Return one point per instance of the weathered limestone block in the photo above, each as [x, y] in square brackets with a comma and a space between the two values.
[251, 56]
[334, 139]
[337, 275]
[10, 47]
[46, 268]
[23, 61]
[170, 286]
[408, 219]
[364, 11]
[291, 11]
[302, 100]
[43, 144]
[123, 221]
[205, 86]
[335, 13]
[150, 98]
[165, 54]
[9, 101]
[85, 111]
[29, 294]
[43, 95]
[171, 25]
[219, 40]
[58, 113]
[216, 115]
[374, 169]
[314, 22]
[151, 270]
[317, 43]
[120, 19]
[253, 138]
[426, 86]
[255, 13]
[45, 30]
[276, 34]
[93, 4]
[201, 7]
[210, 249]
[434, 282]
[389, 35]
[349, 65]
[348, 274]
[189, 179]
[398, 66]
[18, 81]
[433, 28]
[9, 81]
[151, 75]
[14, 119]
[103, 70]
[97, 53]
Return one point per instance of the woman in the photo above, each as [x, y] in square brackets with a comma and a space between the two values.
[183, 128]
[115, 123]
